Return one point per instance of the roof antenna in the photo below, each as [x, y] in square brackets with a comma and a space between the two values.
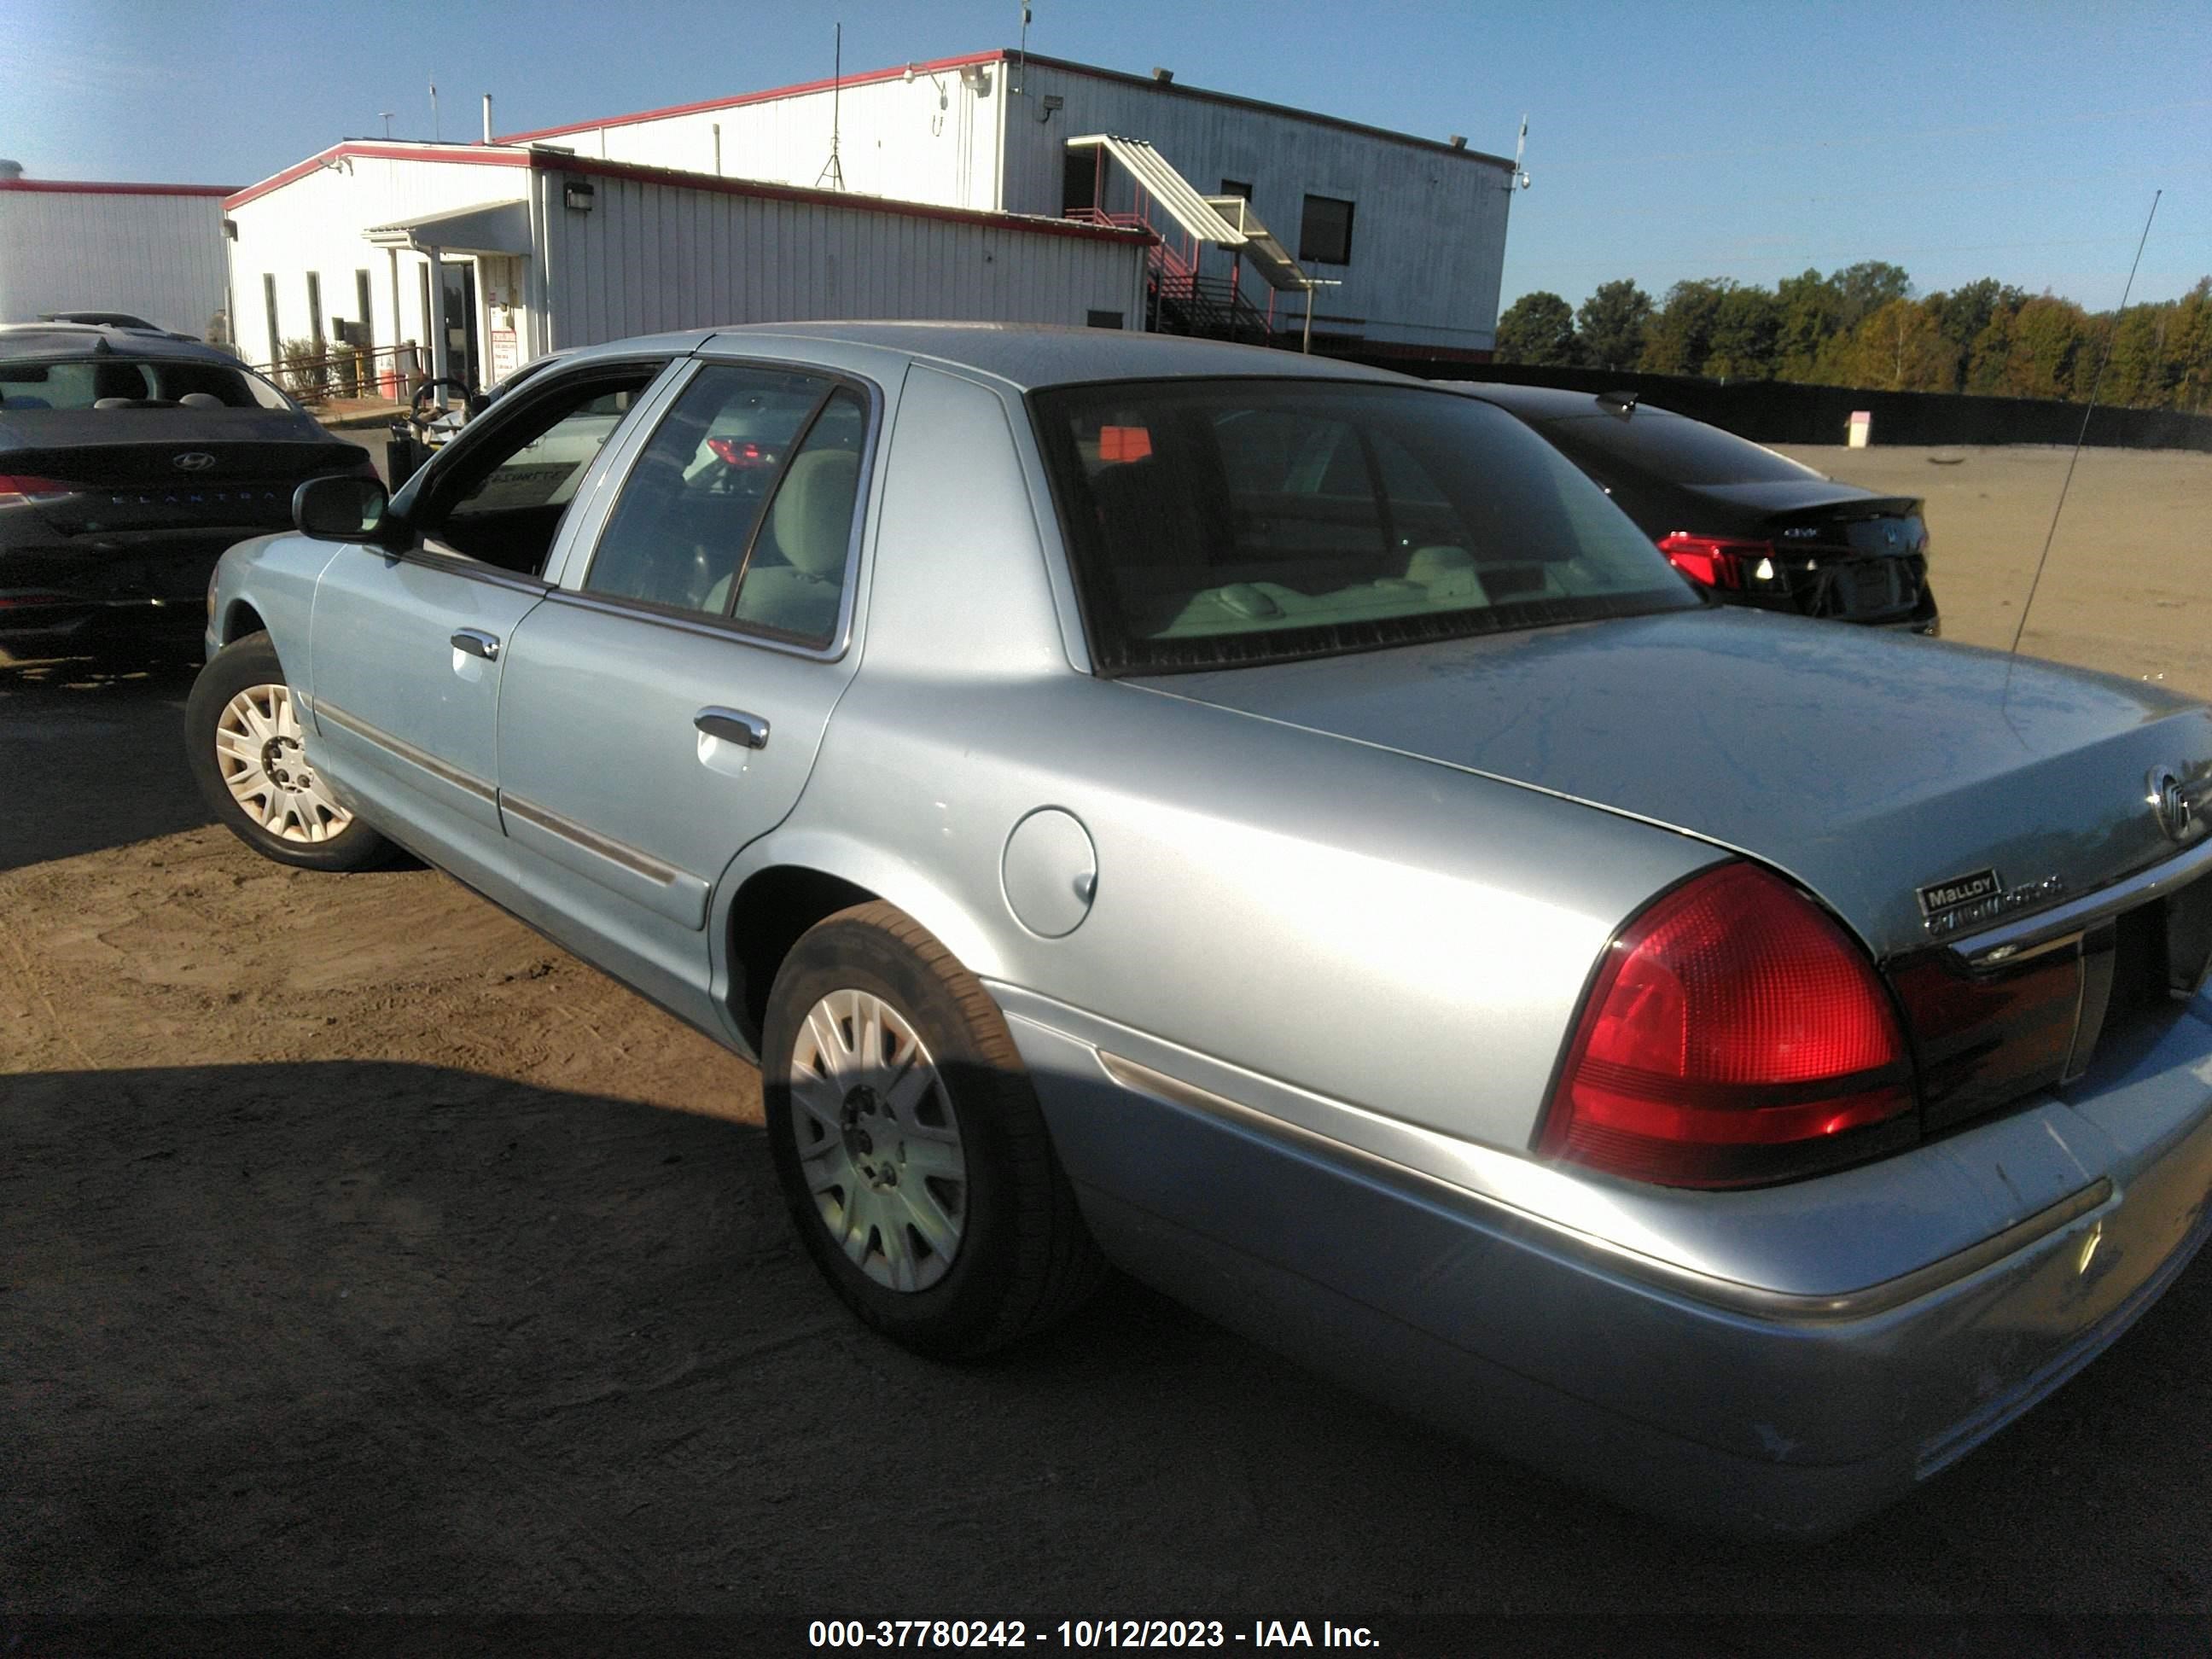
[833, 170]
[1518, 178]
[1021, 54]
[2095, 386]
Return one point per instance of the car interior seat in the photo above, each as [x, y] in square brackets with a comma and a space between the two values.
[812, 527]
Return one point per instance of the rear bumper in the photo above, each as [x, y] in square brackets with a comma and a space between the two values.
[119, 586]
[1709, 1402]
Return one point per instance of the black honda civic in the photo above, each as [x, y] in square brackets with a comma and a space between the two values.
[129, 461]
[1743, 524]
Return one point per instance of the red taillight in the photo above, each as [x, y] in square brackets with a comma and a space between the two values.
[1713, 561]
[1735, 1035]
[21, 487]
[737, 452]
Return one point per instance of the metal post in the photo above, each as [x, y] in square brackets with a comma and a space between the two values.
[435, 322]
[1306, 338]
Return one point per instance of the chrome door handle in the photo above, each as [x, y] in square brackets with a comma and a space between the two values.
[732, 725]
[478, 643]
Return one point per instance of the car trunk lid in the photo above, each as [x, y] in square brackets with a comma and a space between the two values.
[1869, 767]
[140, 470]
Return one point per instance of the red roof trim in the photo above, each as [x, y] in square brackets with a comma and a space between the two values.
[1001, 55]
[468, 154]
[1237, 101]
[864, 77]
[83, 187]
[1021, 223]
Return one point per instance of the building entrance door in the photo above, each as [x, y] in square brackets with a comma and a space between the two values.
[458, 280]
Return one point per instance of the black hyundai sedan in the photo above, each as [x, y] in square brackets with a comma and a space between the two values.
[1747, 525]
[128, 462]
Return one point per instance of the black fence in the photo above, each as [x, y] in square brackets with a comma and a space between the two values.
[1782, 412]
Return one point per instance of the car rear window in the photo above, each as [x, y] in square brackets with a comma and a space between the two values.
[86, 382]
[1216, 522]
[1671, 446]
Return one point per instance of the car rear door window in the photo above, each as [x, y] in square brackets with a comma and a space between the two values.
[741, 504]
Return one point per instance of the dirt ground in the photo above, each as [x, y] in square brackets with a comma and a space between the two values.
[360, 1251]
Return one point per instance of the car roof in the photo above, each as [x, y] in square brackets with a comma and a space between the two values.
[65, 340]
[1553, 403]
[1026, 356]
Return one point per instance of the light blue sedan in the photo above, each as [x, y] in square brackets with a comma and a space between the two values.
[1276, 828]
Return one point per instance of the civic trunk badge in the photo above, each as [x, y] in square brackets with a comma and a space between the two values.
[2175, 804]
[192, 460]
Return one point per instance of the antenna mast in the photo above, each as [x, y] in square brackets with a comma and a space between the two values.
[2081, 437]
[833, 171]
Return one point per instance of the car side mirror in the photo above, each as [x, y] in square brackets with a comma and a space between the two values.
[342, 509]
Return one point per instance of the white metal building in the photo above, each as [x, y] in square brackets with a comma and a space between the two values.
[521, 250]
[1413, 230]
[154, 251]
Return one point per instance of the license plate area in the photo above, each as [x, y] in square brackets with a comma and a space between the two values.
[1985, 1037]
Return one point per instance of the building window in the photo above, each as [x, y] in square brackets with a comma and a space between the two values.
[1103, 319]
[269, 310]
[1236, 187]
[315, 310]
[361, 300]
[1325, 232]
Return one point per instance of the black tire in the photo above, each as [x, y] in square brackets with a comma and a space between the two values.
[1024, 1259]
[240, 666]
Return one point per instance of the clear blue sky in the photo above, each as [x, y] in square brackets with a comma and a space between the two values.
[1747, 141]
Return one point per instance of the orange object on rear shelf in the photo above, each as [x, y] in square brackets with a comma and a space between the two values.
[1124, 443]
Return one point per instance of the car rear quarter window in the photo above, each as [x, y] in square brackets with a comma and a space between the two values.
[741, 505]
[1669, 446]
[1221, 521]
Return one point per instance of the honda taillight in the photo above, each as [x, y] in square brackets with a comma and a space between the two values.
[20, 487]
[1735, 1035]
[739, 452]
[1714, 560]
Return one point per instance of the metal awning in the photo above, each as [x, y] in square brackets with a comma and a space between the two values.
[1260, 249]
[1177, 196]
[488, 228]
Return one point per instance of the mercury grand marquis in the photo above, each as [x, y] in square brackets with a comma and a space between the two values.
[1276, 828]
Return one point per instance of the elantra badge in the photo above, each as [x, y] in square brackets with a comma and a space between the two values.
[192, 460]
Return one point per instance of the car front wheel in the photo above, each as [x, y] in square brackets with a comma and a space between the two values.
[909, 1143]
[248, 754]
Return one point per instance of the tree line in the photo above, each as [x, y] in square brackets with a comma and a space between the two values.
[1862, 327]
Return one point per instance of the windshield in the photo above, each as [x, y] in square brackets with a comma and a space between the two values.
[1216, 522]
[106, 382]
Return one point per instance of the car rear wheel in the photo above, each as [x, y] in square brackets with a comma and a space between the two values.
[248, 754]
[909, 1142]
